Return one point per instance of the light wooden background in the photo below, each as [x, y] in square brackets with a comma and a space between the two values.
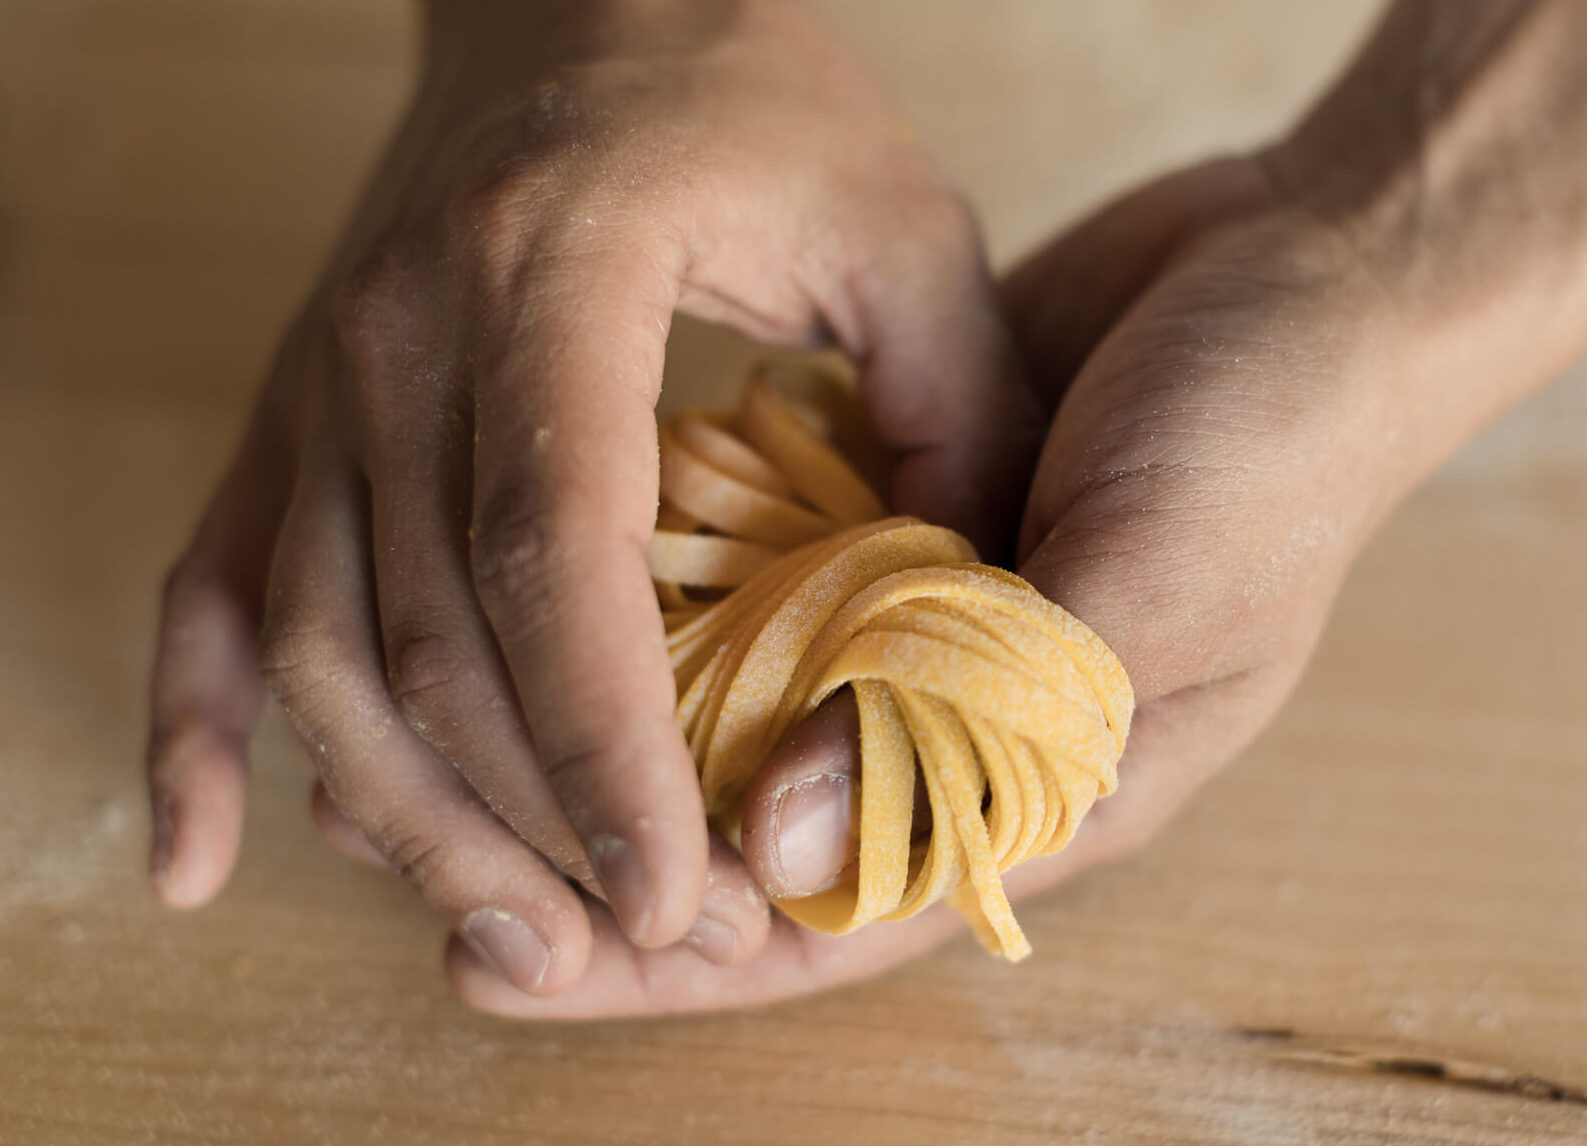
[1391, 885]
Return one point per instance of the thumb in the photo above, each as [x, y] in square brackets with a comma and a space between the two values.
[800, 828]
[801, 812]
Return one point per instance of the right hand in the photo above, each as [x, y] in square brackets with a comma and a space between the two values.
[1239, 400]
[1199, 499]
[437, 522]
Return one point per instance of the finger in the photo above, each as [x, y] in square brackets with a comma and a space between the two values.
[565, 501]
[625, 981]
[1190, 719]
[1064, 299]
[735, 918]
[942, 379]
[628, 981]
[445, 671]
[205, 689]
[320, 655]
[340, 832]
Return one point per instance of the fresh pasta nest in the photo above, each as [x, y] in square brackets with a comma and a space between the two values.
[783, 579]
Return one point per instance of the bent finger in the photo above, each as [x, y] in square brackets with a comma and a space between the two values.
[445, 671]
[321, 657]
[625, 981]
[565, 501]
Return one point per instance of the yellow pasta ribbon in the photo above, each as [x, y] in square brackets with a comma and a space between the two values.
[1013, 711]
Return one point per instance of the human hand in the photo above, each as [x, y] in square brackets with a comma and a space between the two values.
[1255, 359]
[1169, 484]
[440, 512]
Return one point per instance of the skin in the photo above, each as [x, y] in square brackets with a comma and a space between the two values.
[1245, 366]
[435, 529]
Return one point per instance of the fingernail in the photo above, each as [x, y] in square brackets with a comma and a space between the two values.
[509, 945]
[713, 939]
[163, 842]
[813, 833]
[626, 883]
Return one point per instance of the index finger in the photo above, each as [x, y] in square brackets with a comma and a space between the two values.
[566, 485]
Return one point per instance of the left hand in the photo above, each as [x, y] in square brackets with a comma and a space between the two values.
[433, 539]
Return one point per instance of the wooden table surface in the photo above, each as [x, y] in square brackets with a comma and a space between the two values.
[1372, 928]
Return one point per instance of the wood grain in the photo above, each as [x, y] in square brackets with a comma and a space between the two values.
[1373, 928]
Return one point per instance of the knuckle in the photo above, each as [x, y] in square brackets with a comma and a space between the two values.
[378, 301]
[296, 655]
[519, 554]
[527, 215]
[497, 211]
[575, 763]
[424, 669]
[913, 235]
[420, 858]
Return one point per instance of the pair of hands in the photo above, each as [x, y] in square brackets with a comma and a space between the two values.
[432, 540]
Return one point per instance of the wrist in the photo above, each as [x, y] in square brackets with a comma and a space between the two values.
[1444, 170]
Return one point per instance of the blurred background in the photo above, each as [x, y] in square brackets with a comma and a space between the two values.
[1395, 875]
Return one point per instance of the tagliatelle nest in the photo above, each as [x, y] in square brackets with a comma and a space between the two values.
[783, 579]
